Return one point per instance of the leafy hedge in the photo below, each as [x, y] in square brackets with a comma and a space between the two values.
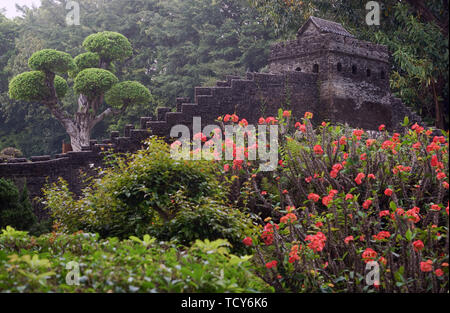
[38, 264]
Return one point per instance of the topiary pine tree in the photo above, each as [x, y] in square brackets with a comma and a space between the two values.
[93, 81]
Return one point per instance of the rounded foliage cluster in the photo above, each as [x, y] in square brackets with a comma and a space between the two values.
[50, 60]
[84, 61]
[127, 92]
[108, 45]
[30, 86]
[93, 81]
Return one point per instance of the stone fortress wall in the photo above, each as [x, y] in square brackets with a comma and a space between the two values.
[325, 71]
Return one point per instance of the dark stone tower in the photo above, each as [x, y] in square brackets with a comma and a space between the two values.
[353, 75]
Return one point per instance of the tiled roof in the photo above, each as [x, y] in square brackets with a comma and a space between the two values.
[325, 26]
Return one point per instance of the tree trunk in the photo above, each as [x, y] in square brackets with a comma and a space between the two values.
[80, 138]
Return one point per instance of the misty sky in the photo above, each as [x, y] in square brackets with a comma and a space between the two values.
[10, 6]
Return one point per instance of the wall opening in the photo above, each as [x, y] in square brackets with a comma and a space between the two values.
[368, 72]
[354, 69]
[339, 67]
[383, 75]
[298, 69]
[316, 68]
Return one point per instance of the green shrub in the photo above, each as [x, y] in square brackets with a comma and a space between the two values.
[134, 192]
[94, 81]
[108, 45]
[29, 264]
[30, 86]
[50, 60]
[127, 92]
[207, 220]
[15, 207]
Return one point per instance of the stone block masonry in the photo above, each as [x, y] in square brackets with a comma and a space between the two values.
[325, 70]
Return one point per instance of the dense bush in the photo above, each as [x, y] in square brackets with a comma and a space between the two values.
[30, 86]
[151, 192]
[340, 199]
[38, 264]
[15, 207]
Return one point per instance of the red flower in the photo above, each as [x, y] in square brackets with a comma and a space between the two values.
[314, 197]
[439, 272]
[383, 260]
[343, 140]
[293, 255]
[367, 204]
[348, 239]
[318, 149]
[234, 118]
[285, 192]
[319, 224]
[227, 118]
[316, 242]
[286, 113]
[348, 196]
[308, 179]
[441, 175]
[243, 122]
[384, 213]
[435, 207]
[445, 184]
[418, 245]
[371, 176]
[326, 200]
[358, 133]
[417, 145]
[271, 264]
[267, 234]
[381, 127]
[426, 266]
[247, 241]
[369, 255]
[226, 167]
[388, 192]
[308, 115]
[263, 193]
[288, 218]
[261, 120]
[382, 235]
[359, 178]
[413, 215]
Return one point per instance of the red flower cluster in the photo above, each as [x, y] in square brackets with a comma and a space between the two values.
[247, 241]
[271, 264]
[314, 197]
[318, 149]
[348, 239]
[336, 168]
[267, 234]
[418, 245]
[369, 255]
[359, 178]
[317, 241]
[367, 204]
[382, 235]
[426, 266]
[293, 255]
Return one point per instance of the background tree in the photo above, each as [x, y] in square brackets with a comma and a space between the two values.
[93, 79]
[416, 33]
